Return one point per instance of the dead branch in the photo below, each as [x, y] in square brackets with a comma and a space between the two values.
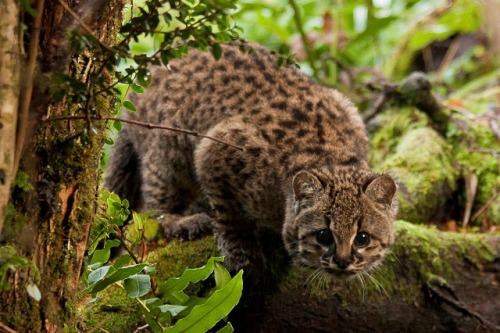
[146, 125]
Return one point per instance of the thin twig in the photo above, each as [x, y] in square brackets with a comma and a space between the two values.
[470, 195]
[375, 108]
[303, 36]
[448, 57]
[122, 240]
[7, 328]
[27, 89]
[141, 328]
[485, 206]
[147, 125]
[99, 324]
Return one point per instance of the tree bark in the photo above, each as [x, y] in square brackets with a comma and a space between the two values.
[9, 97]
[51, 222]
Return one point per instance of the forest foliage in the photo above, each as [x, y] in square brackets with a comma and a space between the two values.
[363, 47]
[366, 49]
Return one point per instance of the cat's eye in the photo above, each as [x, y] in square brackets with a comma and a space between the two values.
[324, 237]
[362, 239]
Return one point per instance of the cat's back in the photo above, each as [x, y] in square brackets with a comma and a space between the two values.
[198, 90]
[291, 112]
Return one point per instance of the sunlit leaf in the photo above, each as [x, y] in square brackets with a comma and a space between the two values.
[226, 329]
[173, 288]
[218, 305]
[120, 274]
[137, 285]
[34, 292]
[129, 106]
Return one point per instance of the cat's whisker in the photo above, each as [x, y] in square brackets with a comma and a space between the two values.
[363, 286]
[391, 253]
[376, 283]
[309, 281]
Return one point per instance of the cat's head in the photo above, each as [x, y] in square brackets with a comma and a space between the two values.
[341, 221]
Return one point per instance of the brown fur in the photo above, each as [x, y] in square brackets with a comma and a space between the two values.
[302, 169]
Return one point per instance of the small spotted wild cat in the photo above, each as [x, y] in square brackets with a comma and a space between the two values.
[302, 168]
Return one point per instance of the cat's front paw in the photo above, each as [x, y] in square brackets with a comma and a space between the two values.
[186, 227]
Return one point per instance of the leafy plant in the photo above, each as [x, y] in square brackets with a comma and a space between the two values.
[173, 27]
[167, 307]
[346, 34]
[11, 261]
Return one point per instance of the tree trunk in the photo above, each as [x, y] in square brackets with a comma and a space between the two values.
[46, 236]
[9, 97]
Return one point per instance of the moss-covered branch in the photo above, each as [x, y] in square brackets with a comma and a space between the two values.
[430, 280]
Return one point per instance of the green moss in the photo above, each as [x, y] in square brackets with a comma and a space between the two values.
[113, 311]
[194, 254]
[418, 158]
[422, 167]
[428, 168]
[475, 149]
[394, 124]
[420, 254]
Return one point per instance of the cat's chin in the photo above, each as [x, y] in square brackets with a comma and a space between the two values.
[339, 272]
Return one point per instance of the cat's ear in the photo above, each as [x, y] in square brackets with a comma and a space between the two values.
[306, 189]
[381, 189]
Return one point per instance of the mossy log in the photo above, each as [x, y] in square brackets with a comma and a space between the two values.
[422, 166]
[431, 281]
[432, 170]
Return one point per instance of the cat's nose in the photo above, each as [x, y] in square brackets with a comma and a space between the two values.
[342, 263]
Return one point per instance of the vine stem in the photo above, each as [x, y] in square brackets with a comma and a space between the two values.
[303, 36]
[147, 125]
[27, 86]
[122, 240]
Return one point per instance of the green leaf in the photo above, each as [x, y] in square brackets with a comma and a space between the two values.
[122, 260]
[173, 309]
[144, 77]
[137, 285]
[34, 292]
[117, 125]
[137, 88]
[120, 274]
[129, 106]
[138, 221]
[218, 305]
[109, 141]
[222, 276]
[226, 329]
[102, 256]
[172, 289]
[150, 320]
[151, 228]
[216, 51]
[98, 274]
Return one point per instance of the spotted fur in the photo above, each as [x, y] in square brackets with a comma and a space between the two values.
[303, 166]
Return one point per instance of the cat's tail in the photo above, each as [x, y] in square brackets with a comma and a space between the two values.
[123, 174]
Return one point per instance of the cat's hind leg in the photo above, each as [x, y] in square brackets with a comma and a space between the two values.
[224, 175]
